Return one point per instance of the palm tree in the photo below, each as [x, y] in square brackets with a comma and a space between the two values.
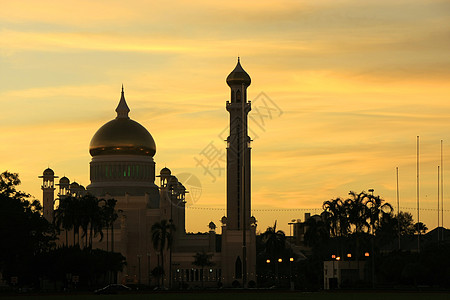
[68, 216]
[274, 241]
[162, 238]
[109, 216]
[357, 211]
[378, 211]
[316, 232]
[420, 228]
[335, 217]
[62, 217]
[202, 260]
[75, 212]
[91, 219]
[275, 245]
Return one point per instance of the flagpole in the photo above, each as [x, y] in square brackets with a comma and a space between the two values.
[398, 213]
[442, 191]
[438, 184]
[418, 214]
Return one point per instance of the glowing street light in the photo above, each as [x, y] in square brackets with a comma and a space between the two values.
[291, 259]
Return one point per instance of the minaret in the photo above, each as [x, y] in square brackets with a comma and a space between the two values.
[238, 151]
[48, 193]
[238, 231]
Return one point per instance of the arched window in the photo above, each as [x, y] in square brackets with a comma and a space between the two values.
[238, 96]
[238, 268]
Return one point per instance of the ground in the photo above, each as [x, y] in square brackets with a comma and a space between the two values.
[268, 295]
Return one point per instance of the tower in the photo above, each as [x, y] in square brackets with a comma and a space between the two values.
[48, 193]
[238, 230]
[238, 151]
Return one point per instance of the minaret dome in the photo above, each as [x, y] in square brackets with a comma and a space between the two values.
[238, 76]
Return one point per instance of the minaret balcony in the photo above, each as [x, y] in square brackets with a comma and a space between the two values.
[237, 106]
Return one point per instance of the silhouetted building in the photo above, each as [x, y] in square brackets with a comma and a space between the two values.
[123, 168]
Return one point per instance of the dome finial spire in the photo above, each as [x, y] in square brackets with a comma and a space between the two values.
[122, 109]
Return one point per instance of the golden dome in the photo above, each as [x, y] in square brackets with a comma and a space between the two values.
[238, 76]
[122, 136]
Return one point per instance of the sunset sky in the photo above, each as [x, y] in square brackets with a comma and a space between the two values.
[351, 84]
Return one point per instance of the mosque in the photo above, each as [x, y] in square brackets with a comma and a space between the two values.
[123, 168]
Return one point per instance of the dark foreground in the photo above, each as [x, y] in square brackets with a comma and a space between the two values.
[246, 295]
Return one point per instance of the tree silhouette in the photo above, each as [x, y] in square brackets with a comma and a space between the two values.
[162, 238]
[316, 232]
[202, 260]
[357, 211]
[109, 216]
[379, 210]
[88, 213]
[90, 219]
[24, 232]
[68, 216]
[406, 223]
[274, 241]
[420, 228]
[335, 217]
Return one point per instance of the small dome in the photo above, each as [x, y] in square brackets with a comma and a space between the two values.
[48, 172]
[74, 185]
[165, 172]
[122, 136]
[211, 225]
[238, 76]
[64, 181]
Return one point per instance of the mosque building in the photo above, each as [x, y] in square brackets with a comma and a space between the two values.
[123, 168]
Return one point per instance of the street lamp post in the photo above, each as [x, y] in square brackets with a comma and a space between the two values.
[139, 268]
[148, 267]
[338, 258]
[333, 258]
[291, 259]
[176, 278]
[280, 260]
